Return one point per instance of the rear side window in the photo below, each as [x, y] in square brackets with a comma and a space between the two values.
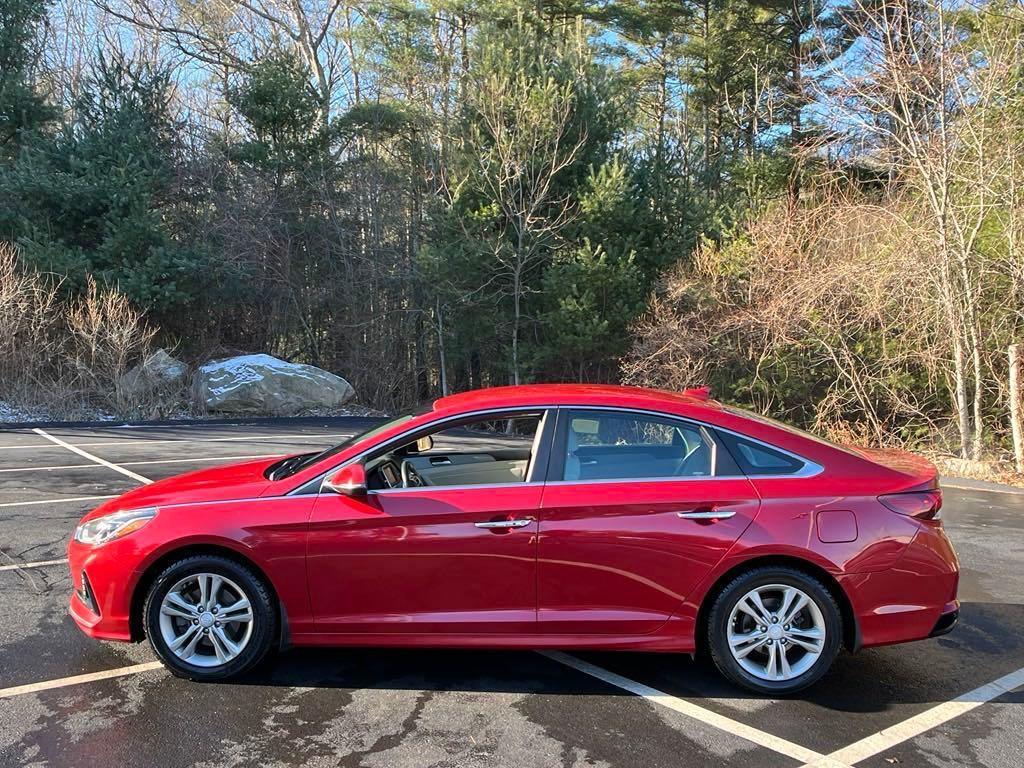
[609, 445]
[759, 459]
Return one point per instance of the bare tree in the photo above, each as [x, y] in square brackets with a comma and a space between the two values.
[921, 105]
[520, 141]
[229, 33]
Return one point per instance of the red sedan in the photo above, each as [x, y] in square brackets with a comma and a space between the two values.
[547, 516]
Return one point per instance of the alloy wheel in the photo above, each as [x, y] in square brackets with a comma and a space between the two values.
[776, 632]
[206, 619]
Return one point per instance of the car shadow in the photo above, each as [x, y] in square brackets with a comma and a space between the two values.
[982, 648]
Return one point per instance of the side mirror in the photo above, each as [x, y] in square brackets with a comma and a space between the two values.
[350, 480]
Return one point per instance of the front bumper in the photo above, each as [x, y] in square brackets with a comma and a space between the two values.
[102, 579]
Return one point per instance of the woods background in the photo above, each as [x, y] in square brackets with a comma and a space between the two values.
[815, 207]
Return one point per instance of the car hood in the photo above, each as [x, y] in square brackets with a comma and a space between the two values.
[231, 481]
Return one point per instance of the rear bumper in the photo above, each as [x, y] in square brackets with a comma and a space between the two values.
[947, 620]
[913, 600]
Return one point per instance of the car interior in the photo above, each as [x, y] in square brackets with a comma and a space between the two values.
[483, 452]
[604, 445]
[595, 445]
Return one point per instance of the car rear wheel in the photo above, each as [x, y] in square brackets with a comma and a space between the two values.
[774, 630]
[209, 618]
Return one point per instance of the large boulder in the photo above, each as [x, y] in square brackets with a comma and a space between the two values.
[158, 373]
[263, 384]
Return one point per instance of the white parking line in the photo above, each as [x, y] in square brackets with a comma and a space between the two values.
[245, 438]
[142, 463]
[90, 457]
[38, 564]
[63, 682]
[58, 501]
[888, 738]
[706, 716]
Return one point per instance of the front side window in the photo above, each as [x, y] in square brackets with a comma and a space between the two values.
[489, 450]
[608, 445]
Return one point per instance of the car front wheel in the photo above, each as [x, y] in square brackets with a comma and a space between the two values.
[209, 618]
[774, 630]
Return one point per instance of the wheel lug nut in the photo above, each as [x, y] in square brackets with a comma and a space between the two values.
[775, 619]
[216, 623]
[786, 627]
[195, 621]
[760, 629]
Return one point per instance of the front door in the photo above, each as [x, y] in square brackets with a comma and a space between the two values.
[445, 542]
[627, 527]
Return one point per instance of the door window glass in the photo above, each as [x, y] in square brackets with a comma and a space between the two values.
[607, 445]
[487, 451]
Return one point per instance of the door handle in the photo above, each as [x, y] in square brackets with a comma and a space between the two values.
[707, 514]
[504, 523]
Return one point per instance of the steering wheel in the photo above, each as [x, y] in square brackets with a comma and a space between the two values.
[410, 477]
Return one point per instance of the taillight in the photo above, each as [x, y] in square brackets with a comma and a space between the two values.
[924, 505]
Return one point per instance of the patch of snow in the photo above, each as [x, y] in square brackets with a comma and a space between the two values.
[11, 414]
[244, 364]
[20, 414]
[243, 370]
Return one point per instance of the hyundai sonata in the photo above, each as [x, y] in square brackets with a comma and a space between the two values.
[546, 516]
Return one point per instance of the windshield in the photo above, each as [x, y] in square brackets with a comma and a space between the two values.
[293, 464]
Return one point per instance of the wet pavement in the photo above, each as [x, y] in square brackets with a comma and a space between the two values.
[895, 705]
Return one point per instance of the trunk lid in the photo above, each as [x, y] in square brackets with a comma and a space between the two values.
[919, 471]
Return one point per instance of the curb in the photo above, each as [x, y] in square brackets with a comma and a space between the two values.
[987, 486]
[241, 421]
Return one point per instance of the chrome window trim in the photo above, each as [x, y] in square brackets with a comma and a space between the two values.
[635, 480]
[809, 469]
[714, 450]
[531, 468]
[429, 488]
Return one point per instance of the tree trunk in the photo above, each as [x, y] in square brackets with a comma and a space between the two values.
[442, 363]
[796, 118]
[962, 409]
[515, 330]
[1016, 427]
[979, 392]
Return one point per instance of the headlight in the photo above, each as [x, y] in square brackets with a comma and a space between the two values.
[113, 526]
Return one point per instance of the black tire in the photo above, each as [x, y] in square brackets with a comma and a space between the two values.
[735, 590]
[264, 616]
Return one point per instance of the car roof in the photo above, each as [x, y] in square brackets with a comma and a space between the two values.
[573, 394]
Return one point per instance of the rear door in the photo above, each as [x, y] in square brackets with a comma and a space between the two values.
[638, 508]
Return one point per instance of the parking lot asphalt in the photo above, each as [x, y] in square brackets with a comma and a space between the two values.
[957, 700]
